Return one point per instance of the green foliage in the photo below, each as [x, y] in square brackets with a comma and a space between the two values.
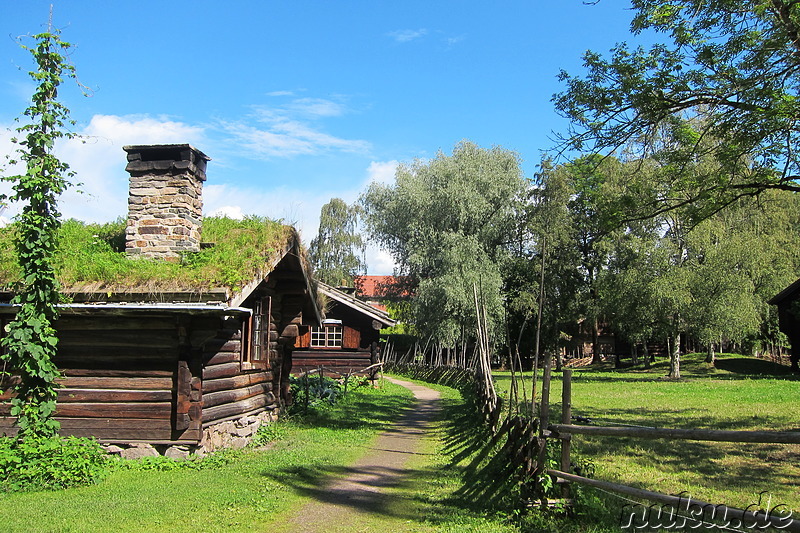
[30, 339]
[93, 255]
[161, 463]
[720, 84]
[337, 252]
[314, 392]
[37, 463]
[269, 433]
[448, 223]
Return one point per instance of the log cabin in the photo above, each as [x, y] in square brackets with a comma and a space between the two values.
[348, 340]
[167, 362]
[788, 302]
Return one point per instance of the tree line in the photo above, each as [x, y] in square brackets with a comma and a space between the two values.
[668, 211]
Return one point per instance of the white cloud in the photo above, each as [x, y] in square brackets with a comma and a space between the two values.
[382, 172]
[379, 262]
[98, 161]
[280, 93]
[315, 107]
[287, 138]
[404, 36]
[452, 41]
[228, 211]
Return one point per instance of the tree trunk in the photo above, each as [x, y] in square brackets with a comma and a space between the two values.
[675, 357]
[710, 357]
[635, 354]
[595, 342]
[646, 354]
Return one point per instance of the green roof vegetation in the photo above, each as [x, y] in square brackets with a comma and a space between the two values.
[92, 257]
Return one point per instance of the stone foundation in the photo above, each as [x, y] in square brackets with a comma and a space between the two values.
[234, 434]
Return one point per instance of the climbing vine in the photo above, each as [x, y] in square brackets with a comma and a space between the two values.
[30, 339]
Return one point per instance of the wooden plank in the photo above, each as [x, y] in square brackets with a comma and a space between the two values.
[119, 373]
[223, 345]
[150, 339]
[118, 430]
[126, 383]
[221, 358]
[66, 350]
[242, 380]
[91, 323]
[770, 437]
[115, 410]
[130, 364]
[236, 408]
[351, 337]
[340, 363]
[112, 395]
[222, 371]
[696, 509]
[235, 395]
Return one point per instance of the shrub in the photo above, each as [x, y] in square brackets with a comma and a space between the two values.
[38, 463]
[162, 463]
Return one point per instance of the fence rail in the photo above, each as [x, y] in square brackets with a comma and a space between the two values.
[699, 511]
[717, 435]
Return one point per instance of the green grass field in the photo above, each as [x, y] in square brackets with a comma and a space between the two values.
[738, 393]
[248, 494]
[261, 487]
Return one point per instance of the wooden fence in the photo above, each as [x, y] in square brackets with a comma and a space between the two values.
[697, 513]
[524, 445]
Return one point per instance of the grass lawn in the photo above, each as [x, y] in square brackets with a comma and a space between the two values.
[738, 393]
[262, 487]
[248, 494]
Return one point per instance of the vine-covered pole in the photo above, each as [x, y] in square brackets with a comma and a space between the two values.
[30, 338]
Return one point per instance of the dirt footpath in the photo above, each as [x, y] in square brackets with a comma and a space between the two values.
[355, 502]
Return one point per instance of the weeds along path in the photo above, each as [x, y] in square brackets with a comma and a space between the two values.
[360, 501]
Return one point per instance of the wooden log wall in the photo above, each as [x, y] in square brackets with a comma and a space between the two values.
[228, 391]
[118, 380]
[340, 362]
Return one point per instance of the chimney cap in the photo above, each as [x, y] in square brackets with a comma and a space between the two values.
[144, 158]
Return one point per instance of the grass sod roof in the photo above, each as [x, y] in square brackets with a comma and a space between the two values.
[91, 258]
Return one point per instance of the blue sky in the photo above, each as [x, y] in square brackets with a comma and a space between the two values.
[297, 102]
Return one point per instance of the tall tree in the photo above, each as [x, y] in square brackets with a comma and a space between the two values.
[337, 252]
[448, 223]
[722, 85]
[30, 339]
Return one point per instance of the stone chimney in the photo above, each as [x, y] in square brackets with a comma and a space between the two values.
[165, 203]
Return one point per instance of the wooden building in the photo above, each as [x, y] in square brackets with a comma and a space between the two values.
[348, 339]
[201, 367]
[788, 302]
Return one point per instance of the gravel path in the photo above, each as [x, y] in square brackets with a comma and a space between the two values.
[361, 494]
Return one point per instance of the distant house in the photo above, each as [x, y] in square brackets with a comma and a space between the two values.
[170, 362]
[377, 290]
[348, 339]
[788, 302]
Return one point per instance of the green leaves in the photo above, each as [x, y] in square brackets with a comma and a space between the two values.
[449, 224]
[31, 340]
[721, 86]
[337, 252]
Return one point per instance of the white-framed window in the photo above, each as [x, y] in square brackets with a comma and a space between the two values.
[329, 335]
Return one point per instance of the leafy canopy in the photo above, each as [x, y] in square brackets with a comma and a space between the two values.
[722, 85]
[448, 223]
[337, 252]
